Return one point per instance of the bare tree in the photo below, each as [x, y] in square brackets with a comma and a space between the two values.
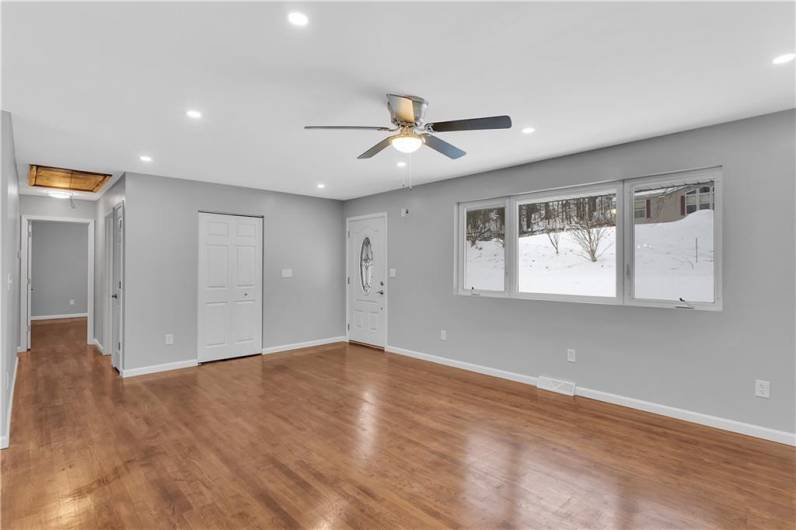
[555, 239]
[485, 224]
[589, 235]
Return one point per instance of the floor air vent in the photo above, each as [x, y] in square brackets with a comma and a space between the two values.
[556, 385]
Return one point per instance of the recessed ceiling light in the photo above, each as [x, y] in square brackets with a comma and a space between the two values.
[401, 164]
[145, 158]
[193, 114]
[528, 130]
[784, 58]
[298, 18]
[59, 194]
[321, 186]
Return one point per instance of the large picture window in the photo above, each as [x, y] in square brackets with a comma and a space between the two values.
[578, 244]
[567, 244]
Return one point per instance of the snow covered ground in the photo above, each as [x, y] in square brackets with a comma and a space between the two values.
[673, 260]
[541, 270]
[569, 272]
[485, 266]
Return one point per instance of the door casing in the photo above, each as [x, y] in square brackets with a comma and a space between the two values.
[118, 287]
[107, 287]
[24, 287]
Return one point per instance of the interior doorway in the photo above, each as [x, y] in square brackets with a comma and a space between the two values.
[57, 272]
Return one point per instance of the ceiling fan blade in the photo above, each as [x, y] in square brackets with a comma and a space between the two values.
[348, 127]
[441, 146]
[376, 149]
[406, 109]
[473, 124]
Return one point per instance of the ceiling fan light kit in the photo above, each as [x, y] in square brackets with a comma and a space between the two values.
[406, 142]
[406, 114]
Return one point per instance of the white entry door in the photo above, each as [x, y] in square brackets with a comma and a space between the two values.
[367, 280]
[230, 313]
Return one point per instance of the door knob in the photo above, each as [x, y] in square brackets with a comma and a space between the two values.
[380, 292]
[115, 296]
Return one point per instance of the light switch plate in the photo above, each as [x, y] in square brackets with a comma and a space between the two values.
[169, 338]
[287, 273]
[762, 388]
[393, 272]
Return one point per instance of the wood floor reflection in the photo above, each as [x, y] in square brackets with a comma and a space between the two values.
[343, 436]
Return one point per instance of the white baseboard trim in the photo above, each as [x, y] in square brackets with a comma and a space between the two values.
[54, 317]
[21, 349]
[724, 424]
[307, 344]
[165, 367]
[99, 346]
[5, 439]
[503, 374]
[155, 368]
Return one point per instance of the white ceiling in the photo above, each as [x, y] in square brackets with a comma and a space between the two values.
[91, 86]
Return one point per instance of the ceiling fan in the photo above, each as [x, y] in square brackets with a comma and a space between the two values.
[406, 114]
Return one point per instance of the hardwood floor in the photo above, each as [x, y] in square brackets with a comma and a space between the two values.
[346, 437]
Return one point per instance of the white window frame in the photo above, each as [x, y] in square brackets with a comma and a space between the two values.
[678, 178]
[625, 222]
[573, 192]
[461, 247]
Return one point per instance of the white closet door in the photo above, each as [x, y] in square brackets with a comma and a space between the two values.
[230, 312]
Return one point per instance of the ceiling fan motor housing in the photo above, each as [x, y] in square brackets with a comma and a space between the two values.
[405, 110]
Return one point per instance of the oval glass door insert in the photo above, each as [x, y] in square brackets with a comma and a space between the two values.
[366, 266]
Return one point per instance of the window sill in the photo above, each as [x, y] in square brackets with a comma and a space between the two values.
[596, 300]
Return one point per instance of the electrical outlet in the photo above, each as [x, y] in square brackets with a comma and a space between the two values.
[393, 273]
[169, 338]
[443, 334]
[762, 388]
[287, 273]
[71, 301]
[571, 355]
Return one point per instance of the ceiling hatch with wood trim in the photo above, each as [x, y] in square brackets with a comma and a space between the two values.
[66, 179]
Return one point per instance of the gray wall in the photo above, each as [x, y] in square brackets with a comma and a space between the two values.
[9, 269]
[700, 361]
[303, 233]
[59, 268]
[104, 205]
[41, 205]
